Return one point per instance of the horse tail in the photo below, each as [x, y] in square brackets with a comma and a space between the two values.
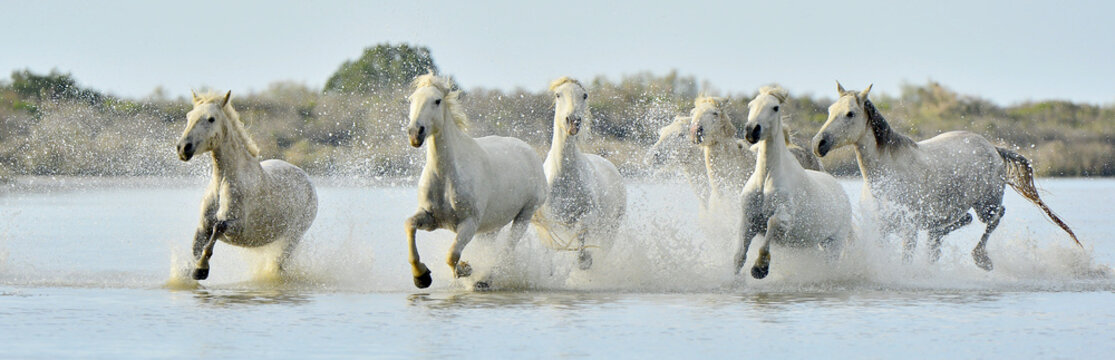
[1020, 176]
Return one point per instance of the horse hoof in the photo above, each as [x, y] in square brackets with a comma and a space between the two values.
[481, 286]
[423, 281]
[984, 262]
[584, 261]
[200, 274]
[760, 272]
[463, 269]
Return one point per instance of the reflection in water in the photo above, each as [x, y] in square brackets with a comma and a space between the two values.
[565, 301]
[225, 298]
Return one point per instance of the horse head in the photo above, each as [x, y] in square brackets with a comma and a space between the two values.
[211, 119]
[672, 142]
[570, 104]
[710, 122]
[433, 102]
[764, 116]
[846, 124]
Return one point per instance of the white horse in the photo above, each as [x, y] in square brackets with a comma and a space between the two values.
[791, 205]
[248, 203]
[728, 161]
[674, 149]
[587, 196]
[930, 184]
[469, 186]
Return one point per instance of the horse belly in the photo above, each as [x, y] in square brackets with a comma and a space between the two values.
[285, 205]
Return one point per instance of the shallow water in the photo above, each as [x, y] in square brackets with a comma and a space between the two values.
[94, 267]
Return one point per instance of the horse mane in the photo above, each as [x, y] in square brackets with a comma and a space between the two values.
[886, 138]
[452, 97]
[564, 80]
[233, 116]
[776, 91]
[719, 103]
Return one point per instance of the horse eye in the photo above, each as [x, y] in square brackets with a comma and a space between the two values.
[851, 114]
[437, 102]
[776, 109]
[558, 95]
[585, 97]
[211, 119]
[714, 113]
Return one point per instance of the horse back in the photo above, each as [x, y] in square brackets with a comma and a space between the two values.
[949, 174]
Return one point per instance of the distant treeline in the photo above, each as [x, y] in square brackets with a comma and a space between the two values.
[50, 125]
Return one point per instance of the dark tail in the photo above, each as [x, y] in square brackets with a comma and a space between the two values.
[1020, 176]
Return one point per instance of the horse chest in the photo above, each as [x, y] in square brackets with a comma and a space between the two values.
[447, 202]
[570, 199]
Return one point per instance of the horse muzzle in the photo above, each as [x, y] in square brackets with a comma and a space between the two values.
[574, 125]
[697, 134]
[417, 136]
[752, 133]
[186, 151]
[822, 144]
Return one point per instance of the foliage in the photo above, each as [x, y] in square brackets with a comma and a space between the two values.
[379, 68]
[49, 125]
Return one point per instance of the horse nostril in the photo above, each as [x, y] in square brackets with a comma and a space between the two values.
[421, 130]
[822, 146]
[188, 147]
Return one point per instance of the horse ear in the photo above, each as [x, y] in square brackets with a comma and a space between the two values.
[839, 88]
[863, 94]
[227, 96]
[194, 95]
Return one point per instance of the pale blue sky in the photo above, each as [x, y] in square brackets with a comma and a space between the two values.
[1006, 51]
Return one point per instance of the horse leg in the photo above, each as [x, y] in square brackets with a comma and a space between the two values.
[584, 257]
[991, 217]
[935, 236]
[832, 247]
[425, 221]
[519, 228]
[778, 227]
[750, 227]
[201, 268]
[288, 250]
[909, 234]
[465, 231]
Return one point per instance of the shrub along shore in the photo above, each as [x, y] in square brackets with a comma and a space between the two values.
[50, 125]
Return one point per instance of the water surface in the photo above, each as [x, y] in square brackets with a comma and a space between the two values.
[85, 266]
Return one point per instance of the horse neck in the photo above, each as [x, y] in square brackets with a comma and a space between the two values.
[450, 144]
[872, 165]
[564, 149]
[773, 154]
[233, 163]
[722, 161]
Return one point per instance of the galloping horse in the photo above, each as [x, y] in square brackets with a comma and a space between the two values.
[792, 205]
[675, 149]
[932, 183]
[587, 194]
[728, 161]
[469, 186]
[248, 203]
